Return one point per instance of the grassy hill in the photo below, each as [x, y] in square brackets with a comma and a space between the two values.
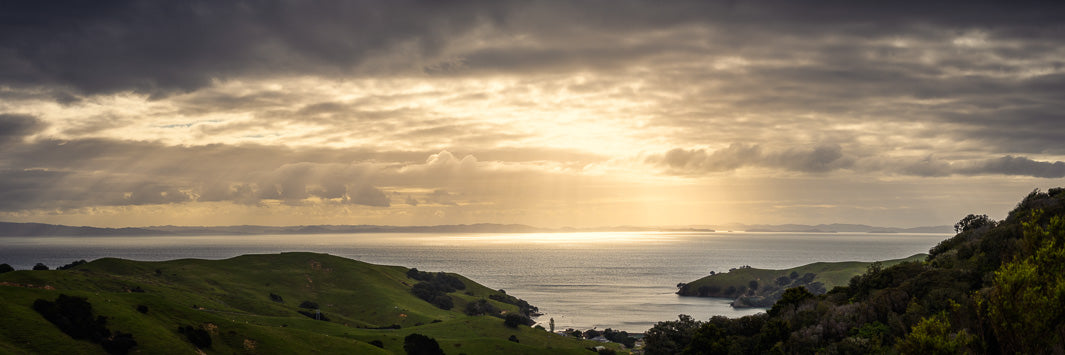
[251, 304]
[817, 277]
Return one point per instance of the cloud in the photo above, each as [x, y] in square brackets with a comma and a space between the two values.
[1010, 165]
[14, 128]
[827, 158]
[697, 161]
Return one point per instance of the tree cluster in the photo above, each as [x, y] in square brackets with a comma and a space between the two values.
[74, 317]
[434, 287]
[524, 307]
[994, 287]
[418, 344]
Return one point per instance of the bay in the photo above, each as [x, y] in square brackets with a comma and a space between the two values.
[619, 280]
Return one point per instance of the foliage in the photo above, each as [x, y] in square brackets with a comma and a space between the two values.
[276, 298]
[72, 265]
[435, 287]
[74, 316]
[972, 222]
[481, 307]
[308, 305]
[670, 337]
[417, 344]
[40, 267]
[6, 268]
[513, 320]
[932, 335]
[1025, 302]
[196, 335]
[524, 307]
[994, 287]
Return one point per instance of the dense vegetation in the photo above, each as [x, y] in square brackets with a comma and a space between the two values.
[995, 287]
[285, 303]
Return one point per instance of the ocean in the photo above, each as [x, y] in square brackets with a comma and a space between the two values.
[620, 280]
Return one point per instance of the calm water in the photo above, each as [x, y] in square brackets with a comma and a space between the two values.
[582, 280]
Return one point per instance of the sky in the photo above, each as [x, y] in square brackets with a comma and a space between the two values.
[554, 113]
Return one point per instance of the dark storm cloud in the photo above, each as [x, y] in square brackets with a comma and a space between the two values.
[16, 127]
[161, 47]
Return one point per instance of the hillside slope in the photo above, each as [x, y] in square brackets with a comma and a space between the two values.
[770, 284]
[253, 304]
[995, 287]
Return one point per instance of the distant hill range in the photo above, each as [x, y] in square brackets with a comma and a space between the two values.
[834, 228]
[40, 229]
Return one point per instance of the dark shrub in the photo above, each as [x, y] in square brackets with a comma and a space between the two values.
[6, 268]
[512, 320]
[315, 315]
[40, 267]
[482, 306]
[71, 265]
[513, 338]
[308, 305]
[73, 316]
[142, 308]
[276, 298]
[377, 343]
[119, 344]
[197, 336]
[417, 344]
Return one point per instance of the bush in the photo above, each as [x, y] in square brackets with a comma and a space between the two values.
[72, 265]
[119, 344]
[480, 307]
[40, 267]
[308, 305]
[276, 298]
[315, 315]
[417, 344]
[197, 336]
[512, 320]
[142, 308]
[432, 293]
[6, 268]
[377, 343]
[73, 316]
[513, 338]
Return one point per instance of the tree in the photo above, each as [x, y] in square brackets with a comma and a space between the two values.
[972, 222]
[417, 344]
[670, 337]
[6, 268]
[1024, 303]
[512, 320]
[72, 265]
[932, 336]
[40, 267]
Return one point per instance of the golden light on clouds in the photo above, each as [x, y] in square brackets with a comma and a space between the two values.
[548, 114]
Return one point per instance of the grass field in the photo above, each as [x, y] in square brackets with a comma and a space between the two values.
[231, 300]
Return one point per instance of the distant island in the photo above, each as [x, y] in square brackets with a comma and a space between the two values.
[40, 229]
[752, 287]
